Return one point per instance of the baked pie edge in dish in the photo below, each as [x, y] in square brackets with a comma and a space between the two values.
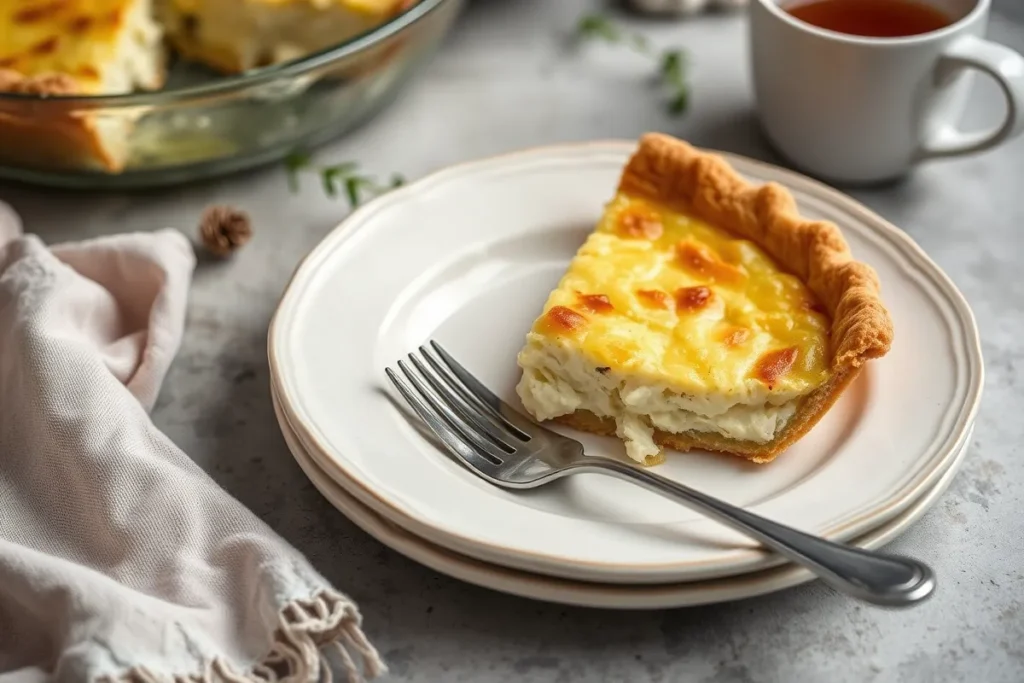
[81, 49]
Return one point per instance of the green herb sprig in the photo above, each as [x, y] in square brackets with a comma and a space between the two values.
[339, 178]
[671, 63]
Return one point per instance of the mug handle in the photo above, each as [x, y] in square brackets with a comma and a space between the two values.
[1002, 64]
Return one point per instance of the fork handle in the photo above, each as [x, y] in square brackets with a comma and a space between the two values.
[878, 578]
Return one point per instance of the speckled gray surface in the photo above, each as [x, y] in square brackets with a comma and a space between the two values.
[505, 80]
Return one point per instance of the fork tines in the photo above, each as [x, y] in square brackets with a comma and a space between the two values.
[474, 423]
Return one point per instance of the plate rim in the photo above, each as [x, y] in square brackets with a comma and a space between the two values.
[737, 560]
[582, 593]
[762, 560]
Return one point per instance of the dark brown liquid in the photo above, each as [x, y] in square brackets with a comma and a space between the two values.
[874, 18]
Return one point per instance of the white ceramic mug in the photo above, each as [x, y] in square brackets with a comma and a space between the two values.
[853, 109]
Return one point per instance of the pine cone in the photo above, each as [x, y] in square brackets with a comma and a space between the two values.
[224, 229]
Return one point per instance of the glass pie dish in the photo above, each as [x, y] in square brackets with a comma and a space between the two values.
[203, 124]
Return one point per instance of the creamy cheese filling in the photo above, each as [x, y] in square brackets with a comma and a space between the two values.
[557, 381]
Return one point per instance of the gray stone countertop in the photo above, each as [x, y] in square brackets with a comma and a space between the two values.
[505, 80]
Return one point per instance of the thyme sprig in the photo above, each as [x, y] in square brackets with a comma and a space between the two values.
[672, 63]
[343, 178]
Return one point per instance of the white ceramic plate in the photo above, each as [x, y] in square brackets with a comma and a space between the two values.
[468, 255]
[587, 594]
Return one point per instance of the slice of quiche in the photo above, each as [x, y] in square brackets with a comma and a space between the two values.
[74, 47]
[703, 312]
[237, 35]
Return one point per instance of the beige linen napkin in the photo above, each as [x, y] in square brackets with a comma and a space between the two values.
[120, 559]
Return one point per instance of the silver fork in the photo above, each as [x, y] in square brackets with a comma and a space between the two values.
[511, 451]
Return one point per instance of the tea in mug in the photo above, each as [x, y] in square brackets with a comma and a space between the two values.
[871, 18]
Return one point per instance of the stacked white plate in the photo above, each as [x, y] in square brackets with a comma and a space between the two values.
[467, 256]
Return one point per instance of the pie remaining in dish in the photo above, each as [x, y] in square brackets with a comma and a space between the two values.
[109, 47]
[703, 312]
[74, 47]
[236, 35]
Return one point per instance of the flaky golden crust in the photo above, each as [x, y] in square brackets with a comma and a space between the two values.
[701, 184]
[42, 84]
